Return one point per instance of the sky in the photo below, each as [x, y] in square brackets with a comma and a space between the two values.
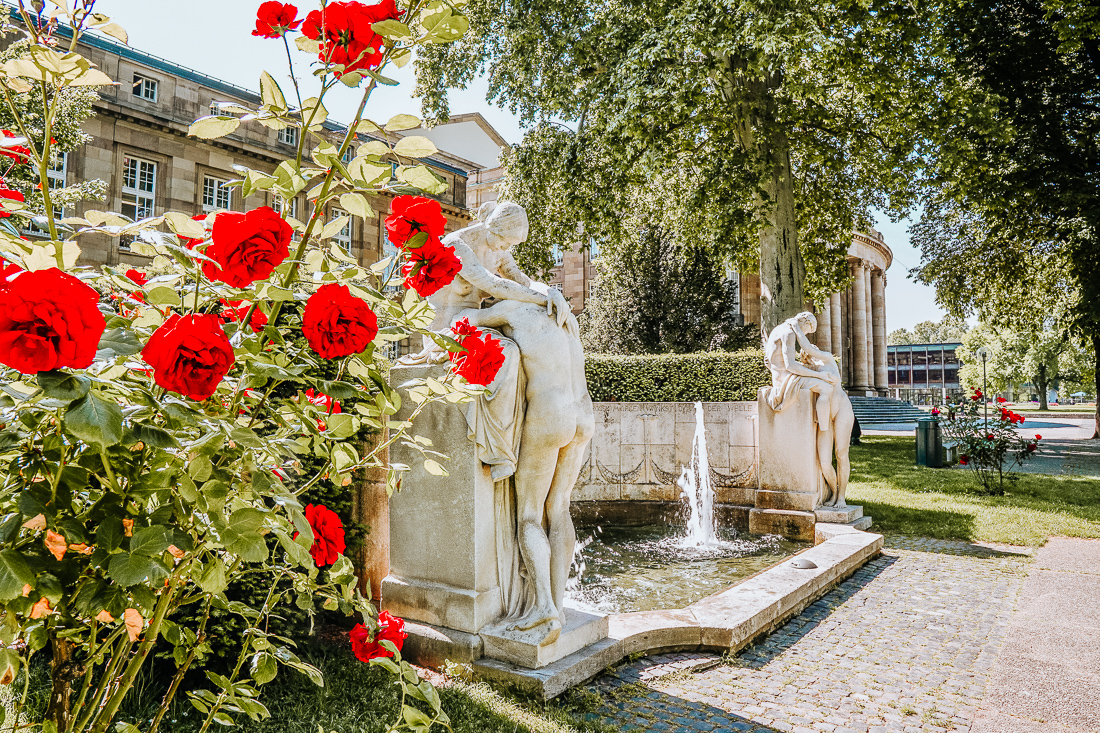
[214, 37]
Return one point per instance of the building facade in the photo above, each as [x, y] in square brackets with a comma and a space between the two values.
[918, 372]
[141, 149]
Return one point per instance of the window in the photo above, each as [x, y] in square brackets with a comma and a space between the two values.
[139, 182]
[557, 286]
[145, 88]
[57, 176]
[343, 237]
[349, 154]
[277, 203]
[593, 249]
[215, 109]
[558, 255]
[215, 194]
[288, 135]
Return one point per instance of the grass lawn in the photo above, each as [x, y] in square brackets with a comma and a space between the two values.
[1053, 409]
[938, 502]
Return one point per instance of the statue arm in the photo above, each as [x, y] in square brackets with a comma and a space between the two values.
[474, 272]
[510, 270]
[791, 363]
[555, 302]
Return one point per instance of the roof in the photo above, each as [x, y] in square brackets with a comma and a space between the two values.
[954, 344]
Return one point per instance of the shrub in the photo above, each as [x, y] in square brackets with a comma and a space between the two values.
[714, 376]
[991, 447]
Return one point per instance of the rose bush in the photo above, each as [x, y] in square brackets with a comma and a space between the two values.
[991, 449]
[160, 426]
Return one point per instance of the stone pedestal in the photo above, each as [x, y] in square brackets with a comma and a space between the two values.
[443, 568]
[581, 629]
[849, 515]
[790, 479]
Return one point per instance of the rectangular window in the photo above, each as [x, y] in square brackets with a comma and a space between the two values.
[215, 194]
[57, 174]
[349, 154]
[278, 204]
[343, 237]
[593, 249]
[139, 182]
[558, 255]
[145, 88]
[288, 135]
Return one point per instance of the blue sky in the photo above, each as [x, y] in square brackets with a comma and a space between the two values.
[214, 37]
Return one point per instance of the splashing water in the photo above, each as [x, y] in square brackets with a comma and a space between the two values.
[694, 482]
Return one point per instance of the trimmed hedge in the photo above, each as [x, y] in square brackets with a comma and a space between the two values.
[714, 376]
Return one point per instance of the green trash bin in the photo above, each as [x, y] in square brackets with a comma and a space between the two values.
[929, 442]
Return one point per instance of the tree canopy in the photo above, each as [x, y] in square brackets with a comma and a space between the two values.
[783, 123]
[949, 329]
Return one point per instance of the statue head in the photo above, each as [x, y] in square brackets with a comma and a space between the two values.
[506, 223]
[806, 322]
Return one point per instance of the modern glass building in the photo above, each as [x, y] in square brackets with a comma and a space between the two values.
[930, 368]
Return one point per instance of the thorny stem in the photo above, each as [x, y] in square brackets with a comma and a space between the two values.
[171, 694]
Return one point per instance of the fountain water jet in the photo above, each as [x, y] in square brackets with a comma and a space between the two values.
[694, 482]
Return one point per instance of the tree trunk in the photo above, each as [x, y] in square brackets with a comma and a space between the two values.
[63, 671]
[1096, 363]
[1042, 383]
[782, 271]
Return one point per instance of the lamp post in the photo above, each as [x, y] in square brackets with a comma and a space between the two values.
[983, 354]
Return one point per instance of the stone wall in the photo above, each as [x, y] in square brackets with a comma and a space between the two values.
[640, 448]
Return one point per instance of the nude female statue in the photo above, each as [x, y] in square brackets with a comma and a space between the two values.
[555, 428]
[817, 371]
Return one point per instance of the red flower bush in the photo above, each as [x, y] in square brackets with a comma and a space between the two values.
[482, 358]
[11, 195]
[964, 460]
[346, 36]
[411, 215]
[247, 247]
[236, 310]
[431, 267]
[273, 19]
[390, 629]
[48, 320]
[190, 355]
[328, 534]
[18, 153]
[338, 324]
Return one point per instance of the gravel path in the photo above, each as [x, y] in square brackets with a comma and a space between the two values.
[906, 644]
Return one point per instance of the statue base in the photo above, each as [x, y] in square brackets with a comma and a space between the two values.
[581, 629]
[848, 514]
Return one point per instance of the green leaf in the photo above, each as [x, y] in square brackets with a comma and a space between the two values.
[63, 386]
[200, 468]
[150, 541]
[422, 177]
[122, 341]
[393, 29]
[342, 571]
[264, 668]
[333, 227]
[163, 296]
[213, 578]
[241, 535]
[184, 226]
[14, 574]
[357, 204]
[402, 122]
[271, 94]
[213, 126]
[155, 437]
[343, 456]
[415, 717]
[94, 420]
[415, 146]
[128, 569]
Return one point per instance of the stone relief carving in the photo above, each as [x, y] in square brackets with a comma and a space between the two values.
[536, 421]
[808, 369]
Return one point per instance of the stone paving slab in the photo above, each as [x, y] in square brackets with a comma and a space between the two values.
[906, 644]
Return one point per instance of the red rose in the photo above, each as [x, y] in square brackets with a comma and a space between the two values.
[11, 195]
[412, 215]
[8, 271]
[431, 267]
[963, 460]
[1031, 447]
[978, 392]
[332, 407]
[336, 323]
[346, 36]
[247, 247]
[390, 629]
[189, 354]
[1001, 399]
[18, 153]
[328, 534]
[989, 437]
[273, 19]
[1038, 437]
[482, 358]
[48, 320]
[137, 277]
[235, 310]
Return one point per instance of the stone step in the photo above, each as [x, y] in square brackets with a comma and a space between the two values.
[838, 515]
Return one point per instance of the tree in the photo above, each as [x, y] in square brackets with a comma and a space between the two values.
[651, 298]
[785, 122]
[948, 330]
[1015, 358]
[1012, 229]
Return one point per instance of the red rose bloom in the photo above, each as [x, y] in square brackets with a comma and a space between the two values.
[8, 271]
[137, 277]
[431, 267]
[235, 310]
[1031, 447]
[412, 215]
[963, 460]
[48, 320]
[332, 407]
[273, 19]
[11, 195]
[190, 355]
[336, 323]
[18, 153]
[328, 534]
[482, 358]
[247, 247]
[1038, 437]
[390, 629]
[346, 36]
[1001, 399]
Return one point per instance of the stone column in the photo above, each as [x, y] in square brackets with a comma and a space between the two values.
[861, 381]
[870, 327]
[837, 337]
[878, 321]
[825, 326]
[845, 349]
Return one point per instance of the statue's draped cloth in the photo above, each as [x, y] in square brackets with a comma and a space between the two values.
[495, 425]
[785, 390]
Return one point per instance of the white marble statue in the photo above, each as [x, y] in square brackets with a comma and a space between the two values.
[536, 421]
[817, 371]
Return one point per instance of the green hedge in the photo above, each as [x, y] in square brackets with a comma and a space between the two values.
[715, 376]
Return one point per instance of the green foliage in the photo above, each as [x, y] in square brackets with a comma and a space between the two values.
[948, 330]
[708, 377]
[991, 448]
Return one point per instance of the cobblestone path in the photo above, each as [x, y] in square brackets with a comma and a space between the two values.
[906, 644]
